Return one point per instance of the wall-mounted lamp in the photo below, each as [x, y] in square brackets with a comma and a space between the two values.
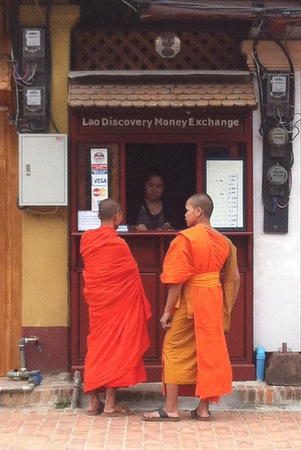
[168, 45]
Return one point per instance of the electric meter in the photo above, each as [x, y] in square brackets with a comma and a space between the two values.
[278, 137]
[277, 174]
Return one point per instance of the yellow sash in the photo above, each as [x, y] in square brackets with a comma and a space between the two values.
[210, 279]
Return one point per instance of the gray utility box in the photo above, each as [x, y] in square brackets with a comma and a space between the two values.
[43, 169]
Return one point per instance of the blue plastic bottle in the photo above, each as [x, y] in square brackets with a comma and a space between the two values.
[260, 363]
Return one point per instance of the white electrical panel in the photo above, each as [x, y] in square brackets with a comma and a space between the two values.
[43, 169]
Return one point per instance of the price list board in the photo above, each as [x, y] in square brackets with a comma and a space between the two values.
[224, 180]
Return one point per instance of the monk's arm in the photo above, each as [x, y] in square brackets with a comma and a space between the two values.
[236, 283]
[231, 279]
[173, 294]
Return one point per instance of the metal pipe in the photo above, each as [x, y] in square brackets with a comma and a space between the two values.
[10, 389]
[76, 388]
[17, 375]
[22, 354]
[22, 343]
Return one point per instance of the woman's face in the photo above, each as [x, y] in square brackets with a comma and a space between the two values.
[154, 188]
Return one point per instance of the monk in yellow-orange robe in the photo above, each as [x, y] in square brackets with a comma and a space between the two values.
[207, 363]
[118, 312]
[194, 350]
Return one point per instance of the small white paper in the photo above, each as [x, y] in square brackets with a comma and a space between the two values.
[87, 220]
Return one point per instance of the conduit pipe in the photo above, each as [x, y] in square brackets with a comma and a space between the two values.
[11, 389]
[22, 343]
[76, 388]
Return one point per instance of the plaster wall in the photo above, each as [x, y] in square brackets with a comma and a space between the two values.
[277, 302]
[45, 261]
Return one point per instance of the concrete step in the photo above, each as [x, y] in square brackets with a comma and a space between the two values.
[59, 391]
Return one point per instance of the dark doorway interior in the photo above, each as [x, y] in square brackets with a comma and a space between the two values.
[176, 162]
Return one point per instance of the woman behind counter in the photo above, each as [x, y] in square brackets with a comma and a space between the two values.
[152, 213]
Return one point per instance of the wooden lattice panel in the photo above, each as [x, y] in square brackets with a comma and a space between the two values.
[136, 51]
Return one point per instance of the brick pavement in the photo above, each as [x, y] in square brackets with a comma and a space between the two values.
[28, 428]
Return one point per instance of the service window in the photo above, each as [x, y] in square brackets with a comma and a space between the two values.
[176, 162]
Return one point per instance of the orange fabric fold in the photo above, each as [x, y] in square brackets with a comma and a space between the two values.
[118, 312]
[196, 251]
[229, 285]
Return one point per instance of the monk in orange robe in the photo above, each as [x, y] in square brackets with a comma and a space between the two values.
[118, 313]
[194, 350]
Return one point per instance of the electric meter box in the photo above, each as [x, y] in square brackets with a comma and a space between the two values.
[33, 44]
[43, 170]
[34, 103]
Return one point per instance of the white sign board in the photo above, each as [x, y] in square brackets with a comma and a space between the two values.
[224, 184]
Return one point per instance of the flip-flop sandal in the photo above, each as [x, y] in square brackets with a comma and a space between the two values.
[196, 416]
[94, 412]
[118, 410]
[162, 417]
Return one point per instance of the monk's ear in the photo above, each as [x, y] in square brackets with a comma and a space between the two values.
[118, 218]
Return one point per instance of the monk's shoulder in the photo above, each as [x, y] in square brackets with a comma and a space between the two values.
[193, 232]
[87, 236]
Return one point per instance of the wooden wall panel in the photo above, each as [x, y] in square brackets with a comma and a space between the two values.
[10, 248]
[3, 352]
[98, 50]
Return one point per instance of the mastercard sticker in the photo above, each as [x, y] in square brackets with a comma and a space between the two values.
[98, 194]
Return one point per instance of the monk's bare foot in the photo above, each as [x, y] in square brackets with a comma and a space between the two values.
[117, 410]
[95, 406]
[203, 409]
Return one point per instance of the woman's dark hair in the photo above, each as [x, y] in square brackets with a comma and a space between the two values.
[153, 173]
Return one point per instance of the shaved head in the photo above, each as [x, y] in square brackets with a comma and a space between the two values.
[108, 208]
[204, 202]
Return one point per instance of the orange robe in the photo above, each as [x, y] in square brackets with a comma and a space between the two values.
[118, 312]
[195, 350]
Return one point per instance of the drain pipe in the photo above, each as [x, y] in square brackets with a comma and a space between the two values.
[76, 388]
[22, 343]
[10, 389]
[34, 376]
[23, 373]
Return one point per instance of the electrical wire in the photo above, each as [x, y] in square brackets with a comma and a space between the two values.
[40, 212]
[13, 24]
[49, 59]
[262, 74]
[270, 209]
[256, 10]
[278, 116]
[290, 31]
[296, 135]
[279, 205]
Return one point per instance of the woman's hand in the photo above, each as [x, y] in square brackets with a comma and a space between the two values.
[167, 226]
[141, 227]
